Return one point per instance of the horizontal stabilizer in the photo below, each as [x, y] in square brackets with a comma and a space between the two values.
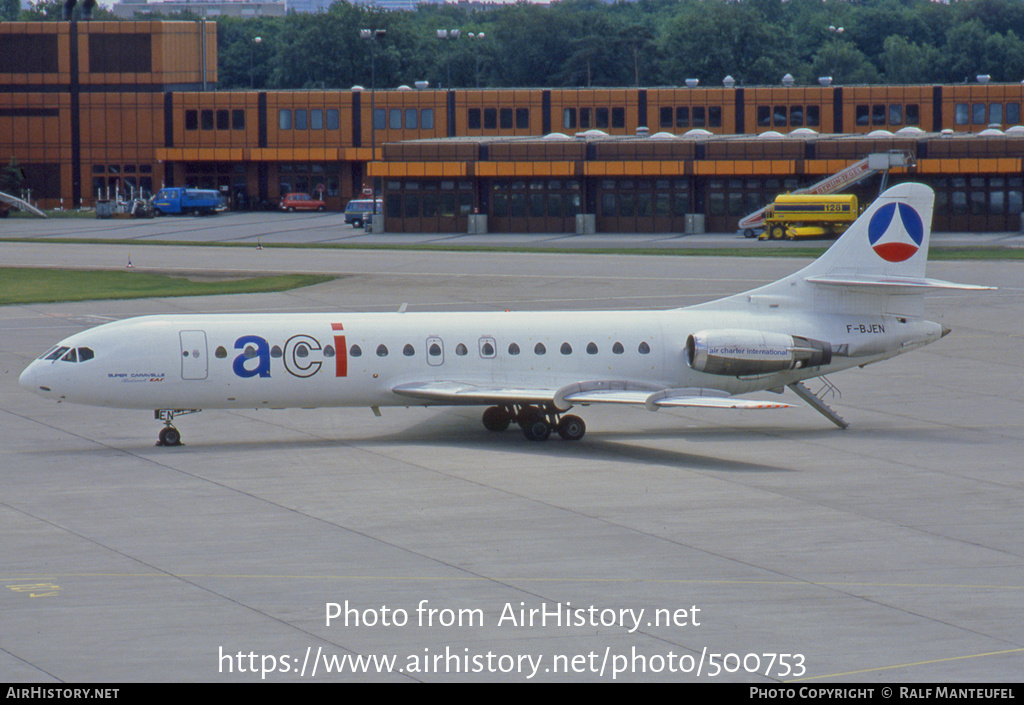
[891, 284]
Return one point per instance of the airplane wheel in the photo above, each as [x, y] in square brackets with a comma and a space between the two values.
[496, 418]
[170, 436]
[538, 430]
[571, 428]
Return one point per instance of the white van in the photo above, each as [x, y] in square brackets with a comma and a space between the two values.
[357, 210]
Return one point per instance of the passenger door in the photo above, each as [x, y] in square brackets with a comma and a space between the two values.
[193, 354]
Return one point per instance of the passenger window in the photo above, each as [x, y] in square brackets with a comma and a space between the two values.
[382, 350]
[276, 351]
[301, 350]
[566, 349]
[644, 348]
[355, 351]
[513, 349]
[434, 350]
[618, 349]
[591, 348]
[486, 347]
[408, 350]
[220, 352]
[539, 349]
[328, 351]
[250, 352]
[461, 349]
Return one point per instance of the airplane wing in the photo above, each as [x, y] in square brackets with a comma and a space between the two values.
[590, 392]
[18, 203]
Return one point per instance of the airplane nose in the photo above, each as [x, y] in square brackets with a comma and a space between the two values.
[30, 379]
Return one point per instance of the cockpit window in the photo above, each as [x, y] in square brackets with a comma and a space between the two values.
[55, 354]
[66, 354]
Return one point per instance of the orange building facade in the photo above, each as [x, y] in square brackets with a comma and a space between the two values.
[89, 111]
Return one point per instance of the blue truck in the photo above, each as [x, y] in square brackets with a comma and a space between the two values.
[188, 201]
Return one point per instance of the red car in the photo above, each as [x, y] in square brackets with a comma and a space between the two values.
[301, 202]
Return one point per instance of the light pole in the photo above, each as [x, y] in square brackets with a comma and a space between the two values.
[252, 60]
[836, 33]
[448, 35]
[476, 55]
[372, 35]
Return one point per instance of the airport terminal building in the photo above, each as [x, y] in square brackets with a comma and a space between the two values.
[90, 111]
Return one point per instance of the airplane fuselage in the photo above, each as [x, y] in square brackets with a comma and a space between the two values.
[358, 359]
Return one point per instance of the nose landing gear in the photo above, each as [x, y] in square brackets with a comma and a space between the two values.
[537, 422]
[169, 435]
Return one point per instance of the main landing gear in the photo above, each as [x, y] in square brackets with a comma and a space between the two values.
[537, 422]
[169, 435]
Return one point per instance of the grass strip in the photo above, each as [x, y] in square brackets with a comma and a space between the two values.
[21, 285]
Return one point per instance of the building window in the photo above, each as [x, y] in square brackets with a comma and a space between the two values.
[961, 116]
[618, 117]
[715, 116]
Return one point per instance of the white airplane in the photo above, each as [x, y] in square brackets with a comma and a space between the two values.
[861, 302]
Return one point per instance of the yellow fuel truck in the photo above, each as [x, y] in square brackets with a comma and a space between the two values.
[800, 215]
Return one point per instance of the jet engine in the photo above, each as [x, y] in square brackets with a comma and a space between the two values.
[740, 353]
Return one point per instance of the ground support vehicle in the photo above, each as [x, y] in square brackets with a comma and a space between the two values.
[794, 216]
[177, 200]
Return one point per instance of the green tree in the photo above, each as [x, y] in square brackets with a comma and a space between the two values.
[907, 62]
[12, 179]
[9, 10]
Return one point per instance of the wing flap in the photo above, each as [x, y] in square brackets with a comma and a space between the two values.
[450, 392]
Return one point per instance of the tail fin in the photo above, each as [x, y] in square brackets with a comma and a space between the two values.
[889, 240]
[877, 266]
